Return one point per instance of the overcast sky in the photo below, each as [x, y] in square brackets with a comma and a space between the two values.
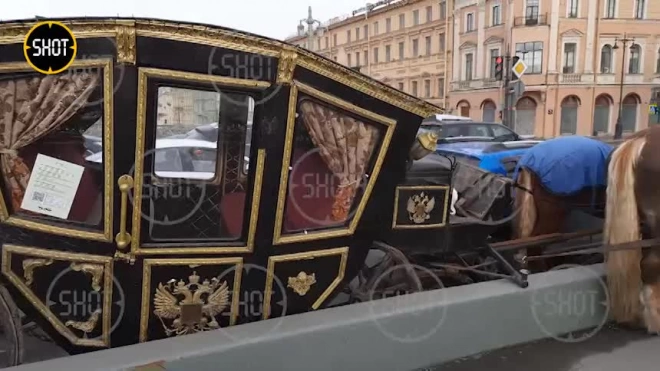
[273, 18]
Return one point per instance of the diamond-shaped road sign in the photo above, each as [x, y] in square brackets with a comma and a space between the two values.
[519, 68]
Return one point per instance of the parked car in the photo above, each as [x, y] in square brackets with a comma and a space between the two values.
[182, 158]
[448, 129]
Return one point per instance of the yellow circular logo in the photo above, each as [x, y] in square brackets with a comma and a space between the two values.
[50, 47]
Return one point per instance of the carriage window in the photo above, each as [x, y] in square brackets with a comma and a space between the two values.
[65, 123]
[333, 155]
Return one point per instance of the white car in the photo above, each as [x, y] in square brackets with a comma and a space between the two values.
[182, 158]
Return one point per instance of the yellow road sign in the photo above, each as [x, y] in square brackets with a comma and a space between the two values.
[519, 68]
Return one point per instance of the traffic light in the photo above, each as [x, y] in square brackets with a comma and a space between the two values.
[499, 68]
[514, 60]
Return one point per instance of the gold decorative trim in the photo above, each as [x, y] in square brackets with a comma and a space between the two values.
[106, 262]
[85, 326]
[278, 237]
[445, 204]
[108, 166]
[145, 307]
[94, 270]
[126, 43]
[301, 283]
[286, 66]
[273, 260]
[29, 265]
[153, 249]
[14, 32]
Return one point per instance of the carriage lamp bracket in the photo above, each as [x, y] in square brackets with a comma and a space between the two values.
[123, 238]
[128, 258]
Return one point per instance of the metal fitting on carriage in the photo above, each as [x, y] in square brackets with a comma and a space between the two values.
[424, 145]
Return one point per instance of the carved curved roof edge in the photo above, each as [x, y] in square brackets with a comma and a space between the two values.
[467, 45]
[13, 32]
[572, 32]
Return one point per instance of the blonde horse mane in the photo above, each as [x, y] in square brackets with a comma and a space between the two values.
[525, 220]
[624, 276]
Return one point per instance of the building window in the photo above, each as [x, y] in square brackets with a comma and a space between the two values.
[415, 17]
[657, 62]
[569, 114]
[357, 33]
[573, 8]
[415, 51]
[414, 88]
[532, 54]
[348, 36]
[401, 86]
[629, 110]
[606, 59]
[429, 14]
[610, 8]
[427, 88]
[469, 22]
[496, 16]
[387, 53]
[634, 63]
[375, 55]
[441, 88]
[443, 10]
[468, 66]
[334, 40]
[442, 42]
[532, 12]
[494, 53]
[402, 21]
[639, 8]
[569, 57]
[366, 57]
[357, 59]
[326, 42]
[428, 45]
[348, 59]
[388, 25]
[401, 51]
[489, 109]
[602, 115]
[375, 28]
[525, 116]
[366, 30]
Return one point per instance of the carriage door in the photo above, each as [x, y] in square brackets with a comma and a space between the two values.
[192, 195]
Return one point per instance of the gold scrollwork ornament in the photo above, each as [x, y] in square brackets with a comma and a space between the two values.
[86, 326]
[302, 283]
[94, 270]
[29, 265]
[420, 207]
[184, 304]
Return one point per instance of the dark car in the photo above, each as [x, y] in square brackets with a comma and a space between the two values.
[470, 130]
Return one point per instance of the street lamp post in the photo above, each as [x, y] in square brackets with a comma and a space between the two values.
[618, 128]
[310, 21]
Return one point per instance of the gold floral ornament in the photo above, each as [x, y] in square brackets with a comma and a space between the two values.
[302, 282]
[420, 207]
[86, 326]
[192, 307]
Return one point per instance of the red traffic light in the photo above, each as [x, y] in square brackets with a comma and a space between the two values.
[498, 60]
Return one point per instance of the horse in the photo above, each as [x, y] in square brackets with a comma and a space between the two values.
[553, 178]
[632, 214]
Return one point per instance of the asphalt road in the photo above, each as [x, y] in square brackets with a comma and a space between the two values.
[611, 349]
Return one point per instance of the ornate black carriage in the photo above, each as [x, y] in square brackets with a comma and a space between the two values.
[219, 178]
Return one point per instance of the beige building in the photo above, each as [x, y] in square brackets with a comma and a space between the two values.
[575, 59]
[401, 43]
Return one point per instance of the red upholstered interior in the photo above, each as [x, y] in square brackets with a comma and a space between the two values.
[71, 148]
[232, 207]
[311, 193]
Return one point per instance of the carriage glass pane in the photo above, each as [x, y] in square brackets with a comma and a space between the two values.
[53, 132]
[333, 154]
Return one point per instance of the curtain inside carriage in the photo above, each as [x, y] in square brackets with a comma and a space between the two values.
[31, 108]
[345, 144]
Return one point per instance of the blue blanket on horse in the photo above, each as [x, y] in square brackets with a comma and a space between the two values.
[566, 165]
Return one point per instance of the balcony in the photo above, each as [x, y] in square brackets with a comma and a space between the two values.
[531, 20]
[486, 83]
[570, 78]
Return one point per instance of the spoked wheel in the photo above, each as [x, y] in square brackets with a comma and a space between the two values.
[11, 331]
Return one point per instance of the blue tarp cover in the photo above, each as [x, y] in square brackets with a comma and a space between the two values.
[566, 165]
[488, 161]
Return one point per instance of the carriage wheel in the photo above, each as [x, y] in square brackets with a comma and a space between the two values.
[11, 339]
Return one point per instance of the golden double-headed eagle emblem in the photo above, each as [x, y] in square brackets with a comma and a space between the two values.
[191, 307]
[420, 207]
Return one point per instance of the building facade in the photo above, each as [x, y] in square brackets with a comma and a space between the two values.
[401, 43]
[588, 61]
